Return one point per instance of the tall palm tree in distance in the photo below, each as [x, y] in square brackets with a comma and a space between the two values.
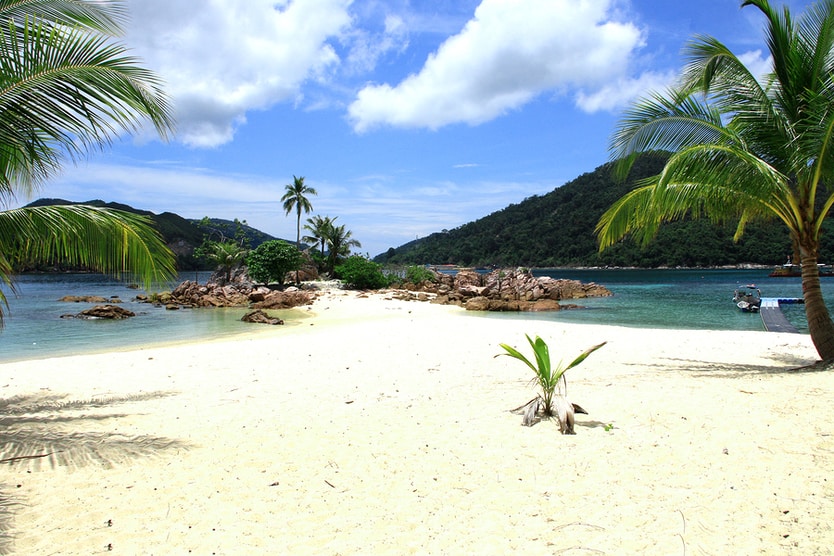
[68, 88]
[319, 228]
[295, 197]
[743, 146]
[339, 241]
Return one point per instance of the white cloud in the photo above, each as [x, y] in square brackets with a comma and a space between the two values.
[622, 91]
[758, 66]
[366, 48]
[511, 51]
[224, 58]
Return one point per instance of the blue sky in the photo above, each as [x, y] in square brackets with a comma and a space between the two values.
[407, 116]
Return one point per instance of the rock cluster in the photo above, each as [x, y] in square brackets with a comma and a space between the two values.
[259, 317]
[89, 299]
[192, 294]
[103, 312]
[508, 290]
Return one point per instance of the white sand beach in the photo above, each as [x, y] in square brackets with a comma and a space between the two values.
[383, 427]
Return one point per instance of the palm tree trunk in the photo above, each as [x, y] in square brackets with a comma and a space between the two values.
[298, 240]
[820, 324]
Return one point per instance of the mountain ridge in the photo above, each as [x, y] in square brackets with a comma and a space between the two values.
[557, 229]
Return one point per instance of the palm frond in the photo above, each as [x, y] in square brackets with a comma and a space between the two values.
[584, 355]
[103, 16]
[105, 240]
[67, 92]
[666, 123]
[629, 214]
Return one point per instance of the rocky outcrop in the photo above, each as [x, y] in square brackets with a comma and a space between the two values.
[104, 312]
[192, 294]
[84, 299]
[508, 290]
[286, 299]
[260, 317]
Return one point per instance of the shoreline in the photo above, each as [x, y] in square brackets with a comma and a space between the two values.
[383, 426]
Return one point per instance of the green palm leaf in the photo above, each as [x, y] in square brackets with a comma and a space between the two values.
[113, 242]
[743, 146]
[66, 90]
[546, 376]
[66, 95]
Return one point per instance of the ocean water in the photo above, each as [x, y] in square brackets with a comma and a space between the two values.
[684, 299]
[33, 327]
[680, 299]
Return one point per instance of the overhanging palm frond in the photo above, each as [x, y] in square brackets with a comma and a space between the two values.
[630, 214]
[108, 241]
[721, 182]
[66, 92]
[665, 123]
[103, 16]
[772, 156]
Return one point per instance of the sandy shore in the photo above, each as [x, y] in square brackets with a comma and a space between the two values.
[382, 427]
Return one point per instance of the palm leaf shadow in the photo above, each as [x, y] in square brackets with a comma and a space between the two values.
[31, 434]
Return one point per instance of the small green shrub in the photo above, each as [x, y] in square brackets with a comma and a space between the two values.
[272, 260]
[418, 274]
[360, 273]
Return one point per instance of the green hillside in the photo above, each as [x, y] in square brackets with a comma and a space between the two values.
[557, 229]
[182, 235]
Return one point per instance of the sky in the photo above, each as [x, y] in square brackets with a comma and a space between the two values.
[407, 117]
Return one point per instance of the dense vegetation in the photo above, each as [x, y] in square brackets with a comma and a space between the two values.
[272, 260]
[557, 229]
[183, 235]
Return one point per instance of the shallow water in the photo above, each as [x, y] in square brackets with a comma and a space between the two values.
[683, 299]
[33, 327]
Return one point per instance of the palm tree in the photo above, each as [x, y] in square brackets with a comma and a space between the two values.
[66, 90]
[319, 228]
[742, 148]
[226, 255]
[295, 197]
[339, 242]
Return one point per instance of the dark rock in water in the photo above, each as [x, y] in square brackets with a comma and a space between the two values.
[105, 312]
[260, 317]
[83, 299]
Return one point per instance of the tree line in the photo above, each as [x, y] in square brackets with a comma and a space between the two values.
[558, 230]
[272, 259]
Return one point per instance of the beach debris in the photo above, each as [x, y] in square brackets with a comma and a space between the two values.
[260, 317]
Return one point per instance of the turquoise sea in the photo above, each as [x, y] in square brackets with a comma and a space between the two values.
[33, 327]
[687, 299]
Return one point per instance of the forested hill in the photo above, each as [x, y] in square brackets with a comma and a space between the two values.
[182, 235]
[557, 229]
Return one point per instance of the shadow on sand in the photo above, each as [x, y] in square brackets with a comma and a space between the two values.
[32, 434]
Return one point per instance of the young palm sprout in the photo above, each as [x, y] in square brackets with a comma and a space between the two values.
[552, 399]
